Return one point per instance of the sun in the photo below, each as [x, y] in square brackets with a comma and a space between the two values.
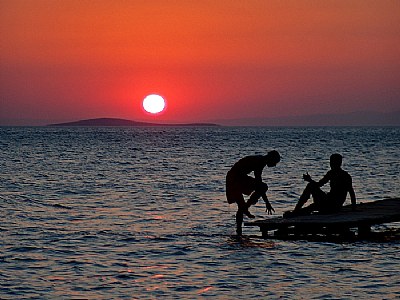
[153, 104]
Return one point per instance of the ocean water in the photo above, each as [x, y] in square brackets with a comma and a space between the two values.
[140, 213]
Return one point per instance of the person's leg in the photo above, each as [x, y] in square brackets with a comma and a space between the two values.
[242, 209]
[312, 189]
[261, 190]
[255, 190]
[253, 198]
[319, 199]
[239, 221]
[234, 194]
[305, 195]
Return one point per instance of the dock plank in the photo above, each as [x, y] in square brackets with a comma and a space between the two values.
[366, 215]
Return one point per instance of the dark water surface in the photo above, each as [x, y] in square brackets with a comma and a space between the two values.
[140, 213]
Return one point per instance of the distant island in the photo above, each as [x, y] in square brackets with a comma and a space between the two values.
[123, 122]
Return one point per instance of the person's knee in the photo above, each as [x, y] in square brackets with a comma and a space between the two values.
[262, 188]
[242, 206]
[253, 199]
[312, 186]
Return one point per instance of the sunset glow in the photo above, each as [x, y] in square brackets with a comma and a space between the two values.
[68, 60]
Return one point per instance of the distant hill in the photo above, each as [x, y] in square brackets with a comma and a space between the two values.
[361, 118]
[122, 122]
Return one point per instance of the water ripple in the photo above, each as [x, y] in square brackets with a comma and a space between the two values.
[116, 213]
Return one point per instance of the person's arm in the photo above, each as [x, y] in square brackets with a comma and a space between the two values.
[257, 174]
[325, 179]
[259, 182]
[268, 205]
[353, 198]
[307, 177]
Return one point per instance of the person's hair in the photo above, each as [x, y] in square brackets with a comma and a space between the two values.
[336, 158]
[274, 155]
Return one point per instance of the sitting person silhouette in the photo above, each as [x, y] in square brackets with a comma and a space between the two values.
[238, 182]
[340, 183]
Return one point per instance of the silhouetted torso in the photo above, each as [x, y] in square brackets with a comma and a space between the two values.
[340, 182]
[248, 164]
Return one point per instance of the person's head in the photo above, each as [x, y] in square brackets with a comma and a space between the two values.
[273, 158]
[336, 161]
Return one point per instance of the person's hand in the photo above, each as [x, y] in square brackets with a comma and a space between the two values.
[269, 209]
[307, 177]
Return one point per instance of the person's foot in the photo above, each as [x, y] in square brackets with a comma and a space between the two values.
[248, 214]
[239, 231]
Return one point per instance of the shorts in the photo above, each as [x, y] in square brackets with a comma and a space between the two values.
[237, 185]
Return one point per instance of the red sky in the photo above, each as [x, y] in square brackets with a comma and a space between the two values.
[77, 59]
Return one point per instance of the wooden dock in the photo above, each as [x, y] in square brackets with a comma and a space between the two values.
[332, 225]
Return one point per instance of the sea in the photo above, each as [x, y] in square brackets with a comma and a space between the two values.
[141, 213]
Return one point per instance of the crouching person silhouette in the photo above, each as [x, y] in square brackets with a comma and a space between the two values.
[340, 183]
[239, 183]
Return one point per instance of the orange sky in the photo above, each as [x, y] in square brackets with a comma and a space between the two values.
[69, 60]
